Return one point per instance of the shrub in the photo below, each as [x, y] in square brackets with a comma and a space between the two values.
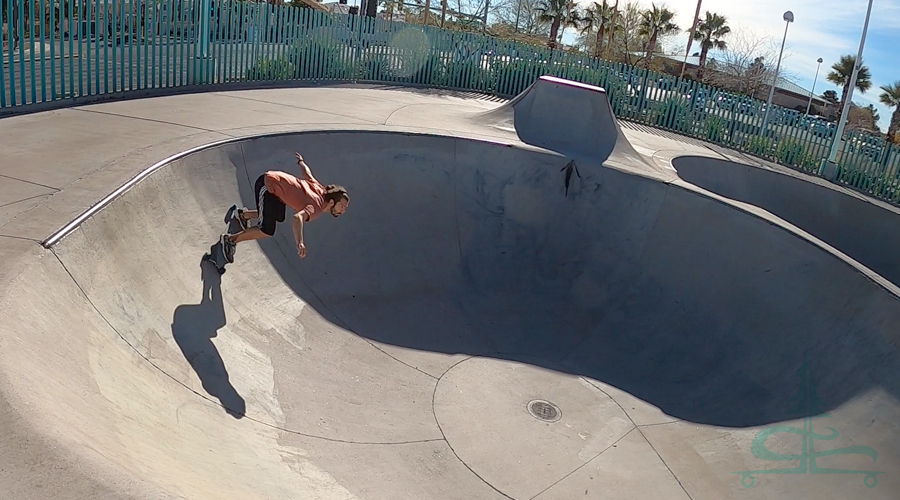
[265, 68]
[789, 151]
[673, 113]
[760, 146]
[715, 128]
[316, 57]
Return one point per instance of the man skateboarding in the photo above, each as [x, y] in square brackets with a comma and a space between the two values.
[274, 191]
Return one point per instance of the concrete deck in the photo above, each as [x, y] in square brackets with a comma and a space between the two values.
[670, 325]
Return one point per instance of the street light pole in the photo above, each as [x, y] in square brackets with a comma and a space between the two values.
[829, 166]
[788, 18]
[811, 92]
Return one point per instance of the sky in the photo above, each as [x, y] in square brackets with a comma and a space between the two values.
[821, 28]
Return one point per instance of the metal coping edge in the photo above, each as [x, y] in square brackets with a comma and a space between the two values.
[96, 207]
[61, 233]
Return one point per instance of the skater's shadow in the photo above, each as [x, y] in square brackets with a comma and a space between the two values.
[193, 327]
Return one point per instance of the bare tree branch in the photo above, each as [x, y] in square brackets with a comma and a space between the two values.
[746, 66]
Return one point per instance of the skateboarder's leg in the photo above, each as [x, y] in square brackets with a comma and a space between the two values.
[230, 241]
[269, 211]
[253, 233]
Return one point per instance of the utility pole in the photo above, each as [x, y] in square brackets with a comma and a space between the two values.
[518, 11]
[687, 51]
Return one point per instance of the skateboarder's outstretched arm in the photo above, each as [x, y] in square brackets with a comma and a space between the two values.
[304, 168]
[297, 225]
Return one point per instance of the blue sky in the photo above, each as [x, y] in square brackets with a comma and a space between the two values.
[821, 28]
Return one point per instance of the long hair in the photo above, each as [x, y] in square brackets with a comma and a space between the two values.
[336, 193]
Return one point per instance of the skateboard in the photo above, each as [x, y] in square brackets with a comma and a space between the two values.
[232, 215]
[216, 254]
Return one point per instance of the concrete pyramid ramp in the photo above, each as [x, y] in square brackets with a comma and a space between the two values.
[562, 115]
[468, 329]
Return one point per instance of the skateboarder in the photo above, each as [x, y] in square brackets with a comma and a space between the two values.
[274, 191]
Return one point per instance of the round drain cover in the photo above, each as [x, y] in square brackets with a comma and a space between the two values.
[544, 410]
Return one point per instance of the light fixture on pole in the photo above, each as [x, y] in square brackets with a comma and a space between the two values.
[788, 18]
[829, 167]
[811, 92]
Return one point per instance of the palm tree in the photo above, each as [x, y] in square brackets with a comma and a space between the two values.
[597, 17]
[656, 22]
[842, 72]
[891, 98]
[614, 21]
[709, 33]
[559, 13]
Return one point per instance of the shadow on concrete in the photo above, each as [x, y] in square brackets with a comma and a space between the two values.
[702, 311]
[193, 327]
[692, 366]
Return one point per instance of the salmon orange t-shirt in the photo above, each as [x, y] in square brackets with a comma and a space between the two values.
[299, 194]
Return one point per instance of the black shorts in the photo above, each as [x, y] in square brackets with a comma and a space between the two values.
[271, 209]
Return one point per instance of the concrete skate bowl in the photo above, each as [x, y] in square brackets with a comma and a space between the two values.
[867, 231]
[468, 329]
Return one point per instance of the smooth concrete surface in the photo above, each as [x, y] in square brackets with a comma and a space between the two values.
[397, 360]
[865, 230]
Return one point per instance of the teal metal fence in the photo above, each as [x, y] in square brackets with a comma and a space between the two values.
[60, 50]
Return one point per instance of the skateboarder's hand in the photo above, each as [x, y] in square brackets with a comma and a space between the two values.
[301, 250]
[299, 158]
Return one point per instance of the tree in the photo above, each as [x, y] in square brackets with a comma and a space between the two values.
[597, 18]
[521, 14]
[709, 33]
[656, 22]
[842, 71]
[614, 23]
[875, 116]
[891, 98]
[622, 33]
[865, 119]
[559, 13]
[744, 66]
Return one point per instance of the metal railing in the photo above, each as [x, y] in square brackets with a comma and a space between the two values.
[64, 51]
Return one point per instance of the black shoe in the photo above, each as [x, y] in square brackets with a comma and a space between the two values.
[228, 247]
